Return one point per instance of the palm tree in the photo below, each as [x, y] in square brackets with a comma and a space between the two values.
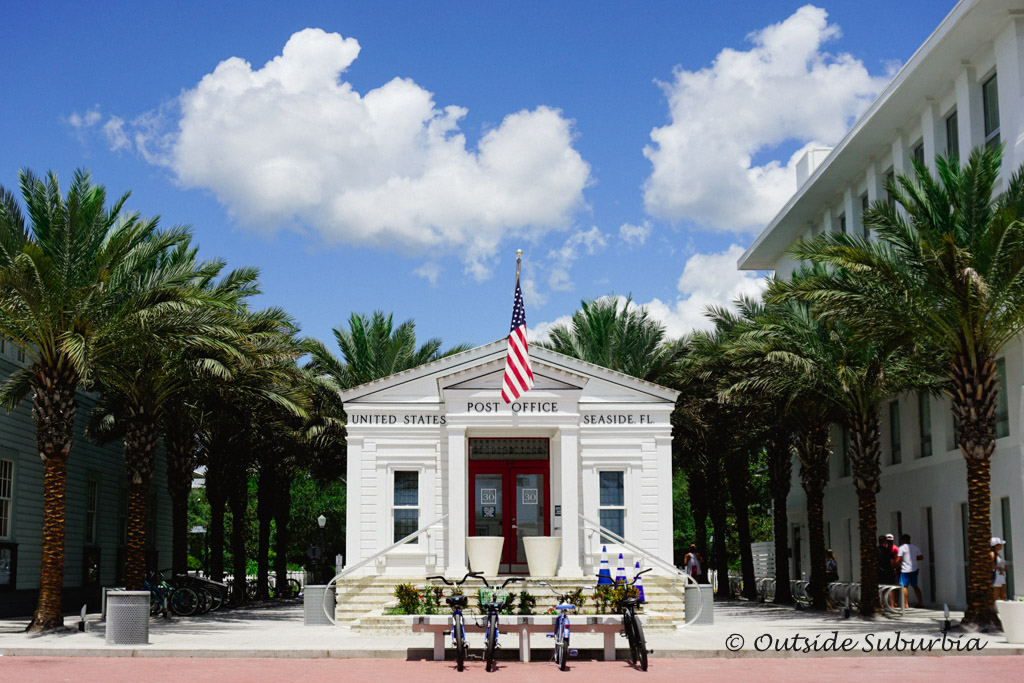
[71, 274]
[861, 368]
[618, 336]
[948, 268]
[374, 348]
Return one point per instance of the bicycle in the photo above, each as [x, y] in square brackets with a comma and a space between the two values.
[163, 597]
[457, 601]
[493, 606]
[561, 633]
[631, 627]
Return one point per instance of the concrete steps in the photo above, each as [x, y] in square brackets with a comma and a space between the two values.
[361, 602]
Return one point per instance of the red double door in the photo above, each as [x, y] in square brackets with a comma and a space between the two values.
[509, 499]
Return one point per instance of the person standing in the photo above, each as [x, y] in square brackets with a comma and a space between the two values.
[998, 569]
[886, 565]
[831, 567]
[694, 563]
[909, 555]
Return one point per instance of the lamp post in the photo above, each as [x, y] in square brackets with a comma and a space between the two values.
[322, 521]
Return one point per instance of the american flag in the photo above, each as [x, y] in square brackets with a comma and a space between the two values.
[518, 376]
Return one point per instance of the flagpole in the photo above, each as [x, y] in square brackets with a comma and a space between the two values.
[519, 262]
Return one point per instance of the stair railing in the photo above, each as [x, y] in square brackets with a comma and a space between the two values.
[373, 558]
[654, 559]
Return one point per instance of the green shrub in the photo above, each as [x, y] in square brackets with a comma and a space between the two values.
[526, 602]
[409, 599]
[432, 599]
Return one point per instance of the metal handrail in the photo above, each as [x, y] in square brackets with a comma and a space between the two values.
[667, 566]
[362, 563]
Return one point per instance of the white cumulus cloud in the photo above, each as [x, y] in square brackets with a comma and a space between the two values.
[293, 144]
[707, 280]
[587, 242]
[785, 90]
[635, 235]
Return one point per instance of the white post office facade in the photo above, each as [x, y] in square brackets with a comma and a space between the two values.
[437, 446]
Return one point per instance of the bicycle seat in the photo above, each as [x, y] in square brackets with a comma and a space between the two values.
[631, 602]
[457, 600]
[565, 606]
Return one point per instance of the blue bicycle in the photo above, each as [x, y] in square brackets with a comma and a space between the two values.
[493, 603]
[457, 601]
[561, 633]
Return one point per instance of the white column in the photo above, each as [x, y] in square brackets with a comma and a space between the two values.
[968, 111]
[931, 125]
[353, 499]
[458, 486]
[570, 467]
[827, 224]
[1009, 49]
[849, 210]
[663, 447]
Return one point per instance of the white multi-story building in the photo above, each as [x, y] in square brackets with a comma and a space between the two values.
[963, 88]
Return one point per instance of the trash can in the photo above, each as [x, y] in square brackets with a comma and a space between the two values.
[313, 605]
[103, 599]
[692, 603]
[128, 618]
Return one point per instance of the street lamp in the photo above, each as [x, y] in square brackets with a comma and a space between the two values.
[322, 521]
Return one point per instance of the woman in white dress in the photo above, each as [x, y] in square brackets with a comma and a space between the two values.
[998, 569]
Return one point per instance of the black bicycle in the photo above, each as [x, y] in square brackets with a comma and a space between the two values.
[457, 601]
[493, 604]
[631, 627]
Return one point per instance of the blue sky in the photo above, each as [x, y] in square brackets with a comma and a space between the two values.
[395, 156]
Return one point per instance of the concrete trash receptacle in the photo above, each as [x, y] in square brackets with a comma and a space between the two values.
[313, 605]
[692, 602]
[128, 617]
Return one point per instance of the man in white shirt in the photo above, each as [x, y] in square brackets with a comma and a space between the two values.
[908, 556]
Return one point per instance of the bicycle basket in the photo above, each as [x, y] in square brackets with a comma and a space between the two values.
[488, 595]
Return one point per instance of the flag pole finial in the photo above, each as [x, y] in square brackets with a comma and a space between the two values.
[519, 262]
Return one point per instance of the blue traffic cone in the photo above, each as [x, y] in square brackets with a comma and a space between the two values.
[604, 576]
[620, 573]
[639, 584]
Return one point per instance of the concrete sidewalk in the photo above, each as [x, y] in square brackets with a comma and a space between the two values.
[741, 629]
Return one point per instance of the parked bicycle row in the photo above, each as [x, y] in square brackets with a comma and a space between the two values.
[189, 594]
[494, 600]
[839, 593]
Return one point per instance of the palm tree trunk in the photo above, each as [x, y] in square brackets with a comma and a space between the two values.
[282, 514]
[719, 519]
[866, 456]
[813, 449]
[54, 406]
[738, 477]
[217, 497]
[179, 484]
[780, 475]
[975, 392]
[699, 512]
[140, 444]
[238, 500]
[264, 514]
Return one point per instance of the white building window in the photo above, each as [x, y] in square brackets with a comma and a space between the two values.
[924, 415]
[990, 110]
[918, 153]
[91, 503]
[407, 504]
[894, 432]
[952, 135]
[6, 497]
[612, 508]
[1002, 402]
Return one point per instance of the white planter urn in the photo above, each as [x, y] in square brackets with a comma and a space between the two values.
[485, 553]
[542, 554]
[1011, 613]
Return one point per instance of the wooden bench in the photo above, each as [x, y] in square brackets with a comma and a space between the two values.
[608, 624]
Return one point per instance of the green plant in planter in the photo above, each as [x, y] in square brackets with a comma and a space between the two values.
[409, 599]
[526, 602]
[620, 592]
[432, 599]
[603, 598]
[576, 598]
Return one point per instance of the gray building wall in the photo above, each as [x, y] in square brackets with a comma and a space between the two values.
[103, 464]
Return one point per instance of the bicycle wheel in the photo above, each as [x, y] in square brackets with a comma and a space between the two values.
[641, 644]
[562, 647]
[184, 602]
[627, 623]
[293, 589]
[216, 598]
[492, 643]
[459, 637]
[155, 604]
